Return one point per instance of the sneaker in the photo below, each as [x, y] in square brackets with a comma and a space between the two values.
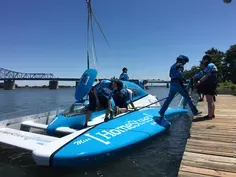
[207, 117]
[106, 119]
[197, 113]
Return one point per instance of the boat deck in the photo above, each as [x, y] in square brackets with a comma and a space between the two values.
[211, 148]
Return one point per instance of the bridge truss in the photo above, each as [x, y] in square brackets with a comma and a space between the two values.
[6, 74]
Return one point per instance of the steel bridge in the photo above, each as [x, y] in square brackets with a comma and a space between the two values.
[9, 77]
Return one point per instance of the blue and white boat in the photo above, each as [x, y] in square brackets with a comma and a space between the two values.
[59, 139]
[80, 147]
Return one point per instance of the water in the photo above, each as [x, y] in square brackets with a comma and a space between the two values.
[161, 156]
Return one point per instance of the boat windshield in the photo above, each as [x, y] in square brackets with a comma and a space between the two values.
[74, 110]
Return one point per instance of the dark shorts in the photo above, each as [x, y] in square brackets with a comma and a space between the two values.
[209, 89]
[92, 102]
[209, 85]
[120, 100]
[200, 89]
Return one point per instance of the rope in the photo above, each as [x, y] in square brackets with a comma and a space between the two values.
[90, 22]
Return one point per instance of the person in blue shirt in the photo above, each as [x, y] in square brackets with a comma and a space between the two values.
[122, 97]
[209, 83]
[100, 98]
[177, 85]
[124, 76]
[142, 83]
[196, 78]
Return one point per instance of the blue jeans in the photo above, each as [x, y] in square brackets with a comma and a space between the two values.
[176, 87]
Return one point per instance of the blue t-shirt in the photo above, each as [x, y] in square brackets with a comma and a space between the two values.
[104, 88]
[211, 67]
[128, 94]
[176, 71]
[124, 77]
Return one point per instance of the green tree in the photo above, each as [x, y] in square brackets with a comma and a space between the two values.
[188, 74]
[229, 64]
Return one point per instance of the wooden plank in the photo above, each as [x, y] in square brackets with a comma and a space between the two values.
[220, 125]
[210, 148]
[213, 130]
[214, 127]
[220, 138]
[211, 152]
[203, 171]
[187, 174]
[212, 158]
[212, 143]
[217, 121]
[227, 167]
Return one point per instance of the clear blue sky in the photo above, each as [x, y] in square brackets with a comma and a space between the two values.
[145, 36]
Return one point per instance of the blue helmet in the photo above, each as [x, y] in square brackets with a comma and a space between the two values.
[182, 58]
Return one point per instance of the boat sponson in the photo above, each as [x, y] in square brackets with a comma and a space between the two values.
[108, 137]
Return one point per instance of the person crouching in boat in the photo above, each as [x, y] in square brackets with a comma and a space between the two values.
[209, 83]
[100, 98]
[122, 97]
[177, 85]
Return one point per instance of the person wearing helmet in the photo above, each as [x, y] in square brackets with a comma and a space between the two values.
[209, 83]
[177, 85]
[124, 76]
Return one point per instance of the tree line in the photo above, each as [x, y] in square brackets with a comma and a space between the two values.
[224, 61]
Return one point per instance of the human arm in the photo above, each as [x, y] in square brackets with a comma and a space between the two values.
[131, 98]
[208, 71]
[203, 78]
[180, 71]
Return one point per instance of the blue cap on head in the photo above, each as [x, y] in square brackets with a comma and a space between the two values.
[183, 58]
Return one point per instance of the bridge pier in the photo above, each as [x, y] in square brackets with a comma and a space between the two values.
[53, 85]
[76, 83]
[167, 85]
[9, 84]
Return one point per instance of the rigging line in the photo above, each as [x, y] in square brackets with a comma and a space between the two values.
[100, 28]
[94, 62]
[94, 49]
[90, 15]
[93, 39]
[93, 43]
[94, 52]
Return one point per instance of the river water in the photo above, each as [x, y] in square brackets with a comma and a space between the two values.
[161, 156]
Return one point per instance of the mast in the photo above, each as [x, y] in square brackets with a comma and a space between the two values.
[88, 24]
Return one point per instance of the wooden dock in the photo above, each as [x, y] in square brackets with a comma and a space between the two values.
[211, 148]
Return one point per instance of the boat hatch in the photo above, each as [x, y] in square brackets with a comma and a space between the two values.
[74, 110]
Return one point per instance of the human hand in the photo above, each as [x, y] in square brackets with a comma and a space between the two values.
[198, 83]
